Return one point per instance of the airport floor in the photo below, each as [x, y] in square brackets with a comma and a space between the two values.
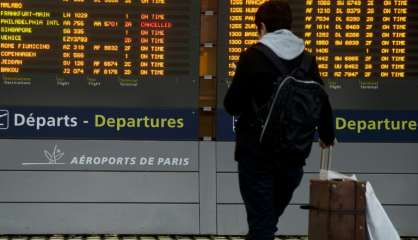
[144, 237]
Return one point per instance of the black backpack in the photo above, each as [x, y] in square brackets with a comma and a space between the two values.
[289, 120]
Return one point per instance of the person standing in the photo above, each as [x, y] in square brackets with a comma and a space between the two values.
[267, 180]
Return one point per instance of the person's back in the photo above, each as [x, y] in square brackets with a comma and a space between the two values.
[267, 187]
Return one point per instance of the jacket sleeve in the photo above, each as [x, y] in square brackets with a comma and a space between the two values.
[326, 127]
[238, 96]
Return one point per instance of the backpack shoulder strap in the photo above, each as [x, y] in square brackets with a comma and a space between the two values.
[278, 63]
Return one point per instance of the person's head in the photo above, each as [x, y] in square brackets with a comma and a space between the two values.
[272, 16]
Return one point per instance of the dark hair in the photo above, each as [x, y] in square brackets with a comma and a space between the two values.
[275, 14]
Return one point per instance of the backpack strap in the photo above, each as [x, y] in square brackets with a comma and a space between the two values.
[277, 62]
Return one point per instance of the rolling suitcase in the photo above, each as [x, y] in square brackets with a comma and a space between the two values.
[337, 209]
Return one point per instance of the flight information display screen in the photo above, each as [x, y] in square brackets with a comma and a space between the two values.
[110, 53]
[367, 50]
[99, 69]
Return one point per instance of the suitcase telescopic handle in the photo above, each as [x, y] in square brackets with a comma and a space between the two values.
[326, 158]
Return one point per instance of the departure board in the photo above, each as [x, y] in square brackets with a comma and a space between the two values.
[110, 53]
[366, 50]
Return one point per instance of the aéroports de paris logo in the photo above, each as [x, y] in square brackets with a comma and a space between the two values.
[4, 119]
[51, 156]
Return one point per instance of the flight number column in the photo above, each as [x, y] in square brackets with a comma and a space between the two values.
[74, 41]
[317, 33]
[347, 39]
[322, 18]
